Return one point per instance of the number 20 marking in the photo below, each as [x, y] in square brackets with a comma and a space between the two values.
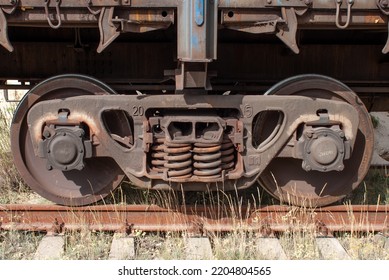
[138, 111]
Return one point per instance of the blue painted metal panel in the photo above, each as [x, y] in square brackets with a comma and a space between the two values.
[199, 12]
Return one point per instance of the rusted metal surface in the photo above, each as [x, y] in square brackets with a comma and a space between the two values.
[361, 4]
[195, 219]
[367, 79]
[103, 174]
[295, 184]
[188, 140]
[74, 130]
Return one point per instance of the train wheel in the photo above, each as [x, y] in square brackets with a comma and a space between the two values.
[75, 187]
[286, 180]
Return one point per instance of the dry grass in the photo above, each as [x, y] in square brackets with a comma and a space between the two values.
[236, 245]
[365, 247]
[300, 245]
[12, 188]
[152, 246]
[18, 245]
[373, 190]
[87, 245]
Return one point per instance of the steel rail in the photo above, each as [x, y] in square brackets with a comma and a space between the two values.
[194, 219]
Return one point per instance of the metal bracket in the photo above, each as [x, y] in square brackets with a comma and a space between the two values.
[260, 27]
[287, 32]
[186, 77]
[57, 4]
[4, 41]
[108, 31]
[130, 26]
[111, 25]
[89, 7]
[285, 27]
[338, 4]
[382, 5]
[288, 3]
[385, 50]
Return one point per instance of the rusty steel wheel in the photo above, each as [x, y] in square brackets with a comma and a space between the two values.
[286, 180]
[75, 187]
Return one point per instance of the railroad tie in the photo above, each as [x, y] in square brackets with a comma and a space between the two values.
[382, 240]
[50, 248]
[198, 248]
[122, 247]
[331, 249]
[271, 249]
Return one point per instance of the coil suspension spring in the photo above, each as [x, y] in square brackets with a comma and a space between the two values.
[228, 155]
[182, 160]
[178, 160]
[158, 155]
[207, 159]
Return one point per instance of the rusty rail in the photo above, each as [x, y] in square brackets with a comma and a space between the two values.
[194, 219]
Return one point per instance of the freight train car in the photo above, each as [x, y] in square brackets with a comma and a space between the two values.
[195, 95]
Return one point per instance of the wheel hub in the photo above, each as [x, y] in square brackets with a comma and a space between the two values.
[66, 148]
[324, 149]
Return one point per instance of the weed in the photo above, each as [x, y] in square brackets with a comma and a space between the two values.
[12, 188]
[237, 245]
[87, 245]
[18, 245]
[373, 190]
[365, 247]
[170, 246]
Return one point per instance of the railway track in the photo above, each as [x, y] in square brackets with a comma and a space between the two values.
[199, 224]
[194, 219]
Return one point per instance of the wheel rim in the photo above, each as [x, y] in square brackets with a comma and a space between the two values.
[285, 179]
[99, 177]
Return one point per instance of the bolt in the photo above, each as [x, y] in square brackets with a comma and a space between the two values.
[81, 151]
[308, 151]
[49, 167]
[341, 151]
[65, 168]
[46, 134]
[269, 1]
[307, 167]
[341, 134]
[308, 2]
[64, 133]
[13, 2]
[48, 151]
[340, 167]
[309, 134]
[324, 168]
[384, 3]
